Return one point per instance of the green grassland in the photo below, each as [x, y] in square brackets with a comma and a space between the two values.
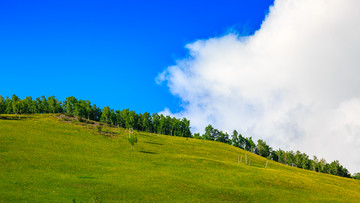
[46, 159]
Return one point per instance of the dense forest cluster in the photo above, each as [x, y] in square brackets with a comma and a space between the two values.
[154, 123]
[166, 125]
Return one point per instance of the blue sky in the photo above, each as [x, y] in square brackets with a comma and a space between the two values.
[109, 52]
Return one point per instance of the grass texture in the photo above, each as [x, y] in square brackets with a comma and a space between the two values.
[46, 159]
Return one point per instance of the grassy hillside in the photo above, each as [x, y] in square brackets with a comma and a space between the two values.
[46, 159]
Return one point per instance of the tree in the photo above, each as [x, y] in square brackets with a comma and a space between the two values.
[52, 104]
[249, 144]
[209, 133]
[2, 105]
[222, 137]
[162, 124]
[185, 128]
[123, 117]
[216, 134]
[197, 136]
[302, 160]
[118, 117]
[38, 105]
[242, 141]
[132, 140]
[131, 121]
[44, 105]
[8, 105]
[80, 108]
[95, 113]
[15, 104]
[33, 106]
[156, 122]
[88, 109]
[235, 139]
[314, 163]
[165, 125]
[281, 156]
[335, 168]
[105, 116]
[264, 149]
[273, 156]
[146, 122]
[29, 105]
[177, 127]
[83, 108]
[22, 106]
[174, 125]
[357, 176]
[112, 117]
[69, 104]
[290, 158]
[321, 165]
[168, 125]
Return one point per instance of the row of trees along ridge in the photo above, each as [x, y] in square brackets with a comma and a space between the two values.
[154, 123]
[166, 125]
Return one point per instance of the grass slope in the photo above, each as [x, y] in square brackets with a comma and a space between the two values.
[45, 159]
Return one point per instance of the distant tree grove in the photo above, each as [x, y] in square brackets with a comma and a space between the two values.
[295, 159]
[147, 122]
[155, 123]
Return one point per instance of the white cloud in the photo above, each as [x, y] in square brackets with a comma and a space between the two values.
[294, 83]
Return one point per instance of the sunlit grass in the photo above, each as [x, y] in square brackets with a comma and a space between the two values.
[46, 159]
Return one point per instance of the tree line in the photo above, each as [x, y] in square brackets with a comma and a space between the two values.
[291, 158]
[158, 123]
[154, 123]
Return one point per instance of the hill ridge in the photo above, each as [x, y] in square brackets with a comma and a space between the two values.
[46, 159]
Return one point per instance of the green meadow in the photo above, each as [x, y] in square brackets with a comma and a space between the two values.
[48, 158]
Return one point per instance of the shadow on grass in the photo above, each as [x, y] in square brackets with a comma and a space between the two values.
[86, 177]
[14, 117]
[154, 143]
[147, 152]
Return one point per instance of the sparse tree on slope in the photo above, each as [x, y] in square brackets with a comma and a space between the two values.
[132, 140]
